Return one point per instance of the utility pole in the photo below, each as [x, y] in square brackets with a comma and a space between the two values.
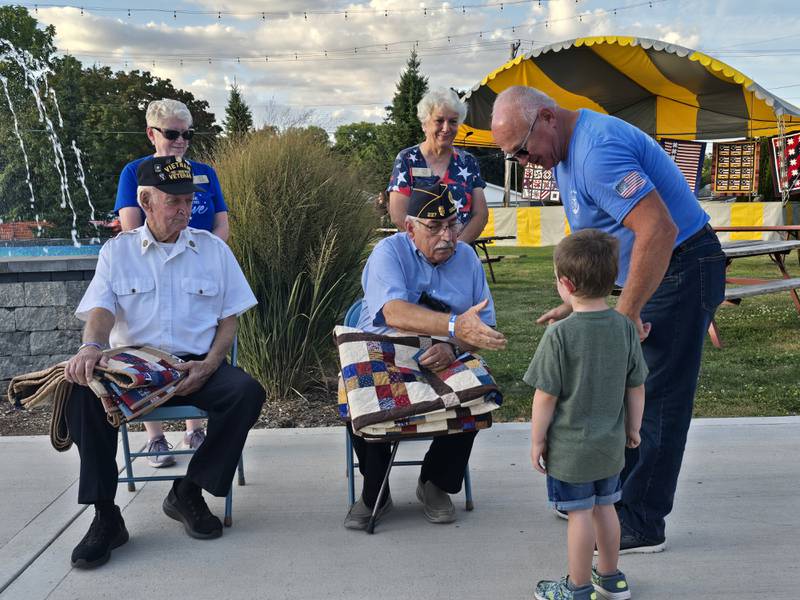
[508, 164]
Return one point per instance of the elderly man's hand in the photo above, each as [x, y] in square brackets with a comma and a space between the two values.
[438, 357]
[196, 373]
[80, 367]
[475, 332]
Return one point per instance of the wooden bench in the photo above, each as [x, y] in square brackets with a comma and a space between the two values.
[757, 289]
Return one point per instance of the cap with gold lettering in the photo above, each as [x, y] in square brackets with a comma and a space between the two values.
[435, 202]
[169, 174]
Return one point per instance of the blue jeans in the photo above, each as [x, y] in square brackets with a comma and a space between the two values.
[582, 496]
[680, 311]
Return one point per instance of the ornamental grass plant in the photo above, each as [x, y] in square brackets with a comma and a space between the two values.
[301, 221]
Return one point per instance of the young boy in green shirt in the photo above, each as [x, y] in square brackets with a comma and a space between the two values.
[589, 376]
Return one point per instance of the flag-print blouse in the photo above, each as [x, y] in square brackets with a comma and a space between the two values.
[462, 176]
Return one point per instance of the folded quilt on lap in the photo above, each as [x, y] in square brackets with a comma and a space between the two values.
[136, 380]
[386, 393]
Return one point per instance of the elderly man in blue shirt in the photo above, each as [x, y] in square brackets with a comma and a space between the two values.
[425, 281]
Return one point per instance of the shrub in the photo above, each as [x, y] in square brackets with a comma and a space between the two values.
[300, 225]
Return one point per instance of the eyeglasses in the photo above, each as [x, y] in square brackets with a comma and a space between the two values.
[440, 228]
[523, 147]
[174, 134]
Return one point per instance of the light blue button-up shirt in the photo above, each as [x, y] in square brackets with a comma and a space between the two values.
[397, 270]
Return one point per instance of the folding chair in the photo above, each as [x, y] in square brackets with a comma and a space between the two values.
[174, 413]
[351, 319]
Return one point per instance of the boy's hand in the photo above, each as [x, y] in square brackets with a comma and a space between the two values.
[539, 456]
[633, 439]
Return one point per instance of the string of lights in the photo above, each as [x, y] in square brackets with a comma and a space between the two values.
[383, 49]
[463, 8]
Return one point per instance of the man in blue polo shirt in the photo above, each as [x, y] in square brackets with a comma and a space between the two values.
[614, 177]
[425, 281]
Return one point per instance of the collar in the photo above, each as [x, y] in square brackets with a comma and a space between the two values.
[186, 239]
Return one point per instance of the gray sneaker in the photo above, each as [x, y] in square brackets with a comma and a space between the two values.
[359, 514]
[612, 587]
[194, 440]
[437, 504]
[160, 444]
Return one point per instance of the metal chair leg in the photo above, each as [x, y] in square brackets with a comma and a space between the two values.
[126, 450]
[350, 474]
[240, 470]
[382, 491]
[468, 489]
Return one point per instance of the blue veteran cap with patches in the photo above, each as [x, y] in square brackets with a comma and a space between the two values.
[435, 202]
[169, 174]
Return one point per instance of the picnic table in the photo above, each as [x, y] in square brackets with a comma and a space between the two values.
[748, 287]
[480, 245]
[788, 231]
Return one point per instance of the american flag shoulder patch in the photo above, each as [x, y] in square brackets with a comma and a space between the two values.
[630, 184]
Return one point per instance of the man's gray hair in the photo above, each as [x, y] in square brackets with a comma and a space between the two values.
[441, 98]
[160, 111]
[141, 191]
[527, 100]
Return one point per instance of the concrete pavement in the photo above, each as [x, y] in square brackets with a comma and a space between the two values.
[733, 534]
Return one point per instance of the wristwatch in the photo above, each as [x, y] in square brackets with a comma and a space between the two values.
[92, 344]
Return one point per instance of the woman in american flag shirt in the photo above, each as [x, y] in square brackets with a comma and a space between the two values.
[436, 160]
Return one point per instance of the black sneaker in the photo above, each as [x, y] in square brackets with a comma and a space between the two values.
[192, 510]
[106, 532]
[632, 544]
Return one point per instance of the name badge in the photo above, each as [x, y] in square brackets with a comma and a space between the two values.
[200, 179]
[421, 172]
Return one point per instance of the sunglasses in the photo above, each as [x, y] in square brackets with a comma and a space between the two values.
[523, 147]
[174, 134]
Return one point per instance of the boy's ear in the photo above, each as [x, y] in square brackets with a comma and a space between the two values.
[568, 285]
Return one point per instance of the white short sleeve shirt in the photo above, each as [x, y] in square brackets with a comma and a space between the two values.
[172, 301]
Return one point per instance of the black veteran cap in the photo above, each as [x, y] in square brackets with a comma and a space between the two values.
[168, 173]
[435, 202]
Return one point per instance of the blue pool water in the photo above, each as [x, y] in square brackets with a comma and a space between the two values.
[22, 251]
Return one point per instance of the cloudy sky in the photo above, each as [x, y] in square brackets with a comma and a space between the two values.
[333, 62]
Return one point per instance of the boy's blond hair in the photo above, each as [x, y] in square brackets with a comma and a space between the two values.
[588, 258]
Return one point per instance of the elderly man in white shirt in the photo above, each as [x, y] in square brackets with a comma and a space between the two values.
[181, 290]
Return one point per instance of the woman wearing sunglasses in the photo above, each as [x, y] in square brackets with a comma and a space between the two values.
[436, 160]
[169, 129]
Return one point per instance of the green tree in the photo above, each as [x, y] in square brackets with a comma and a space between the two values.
[238, 118]
[403, 125]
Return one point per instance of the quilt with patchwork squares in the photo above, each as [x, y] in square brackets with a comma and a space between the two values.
[386, 393]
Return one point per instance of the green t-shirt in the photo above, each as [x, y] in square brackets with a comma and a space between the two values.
[587, 361]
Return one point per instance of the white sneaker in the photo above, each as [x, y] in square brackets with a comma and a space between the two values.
[160, 444]
[194, 439]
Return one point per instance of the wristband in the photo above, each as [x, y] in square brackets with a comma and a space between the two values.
[451, 325]
[92, 344]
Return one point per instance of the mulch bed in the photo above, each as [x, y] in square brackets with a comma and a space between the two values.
[317, 409]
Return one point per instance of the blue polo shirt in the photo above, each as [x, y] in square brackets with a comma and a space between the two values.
[611, 165]
[397, 270]
[205, 206]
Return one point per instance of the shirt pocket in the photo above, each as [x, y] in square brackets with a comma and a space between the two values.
[135, 295]
[202, 298]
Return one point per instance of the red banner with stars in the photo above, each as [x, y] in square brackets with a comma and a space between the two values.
[786, 153]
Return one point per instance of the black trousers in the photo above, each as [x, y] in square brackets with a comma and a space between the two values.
[233, 402]
[444, 463]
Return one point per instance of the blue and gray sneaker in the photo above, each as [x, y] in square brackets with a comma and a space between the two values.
[612, 587]
[559, 590]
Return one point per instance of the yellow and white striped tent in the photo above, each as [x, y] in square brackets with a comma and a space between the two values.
[664, 89]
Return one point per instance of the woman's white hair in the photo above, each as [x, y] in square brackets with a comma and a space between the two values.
[160, 111]
[441, 98]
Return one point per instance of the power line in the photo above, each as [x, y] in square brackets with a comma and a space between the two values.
[305, 13]
[382, 49]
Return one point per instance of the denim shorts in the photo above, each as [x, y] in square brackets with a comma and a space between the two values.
[583, 496]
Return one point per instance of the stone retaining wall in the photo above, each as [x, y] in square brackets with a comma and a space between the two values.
[38, 297]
